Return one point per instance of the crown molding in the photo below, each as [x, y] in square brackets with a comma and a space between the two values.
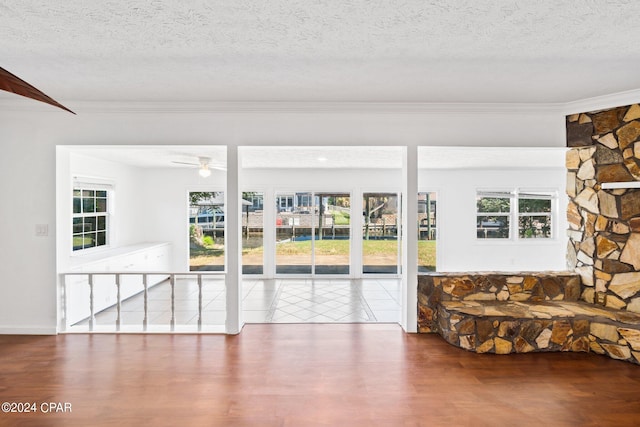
[186, 107]
[298, 107]
[603, 102]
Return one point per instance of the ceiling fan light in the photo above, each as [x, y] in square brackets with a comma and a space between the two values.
[204, 171]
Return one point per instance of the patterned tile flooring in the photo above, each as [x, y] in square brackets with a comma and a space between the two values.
[265, 301]
[321, 301]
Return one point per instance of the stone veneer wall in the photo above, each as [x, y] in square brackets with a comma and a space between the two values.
[434, 288]
[604, 225]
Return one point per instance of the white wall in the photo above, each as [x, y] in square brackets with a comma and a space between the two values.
[458, 249]
[125, 227]
[321, 179]
[29, 134]
[165, 207]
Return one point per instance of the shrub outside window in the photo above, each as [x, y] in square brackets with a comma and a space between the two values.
[90, 218]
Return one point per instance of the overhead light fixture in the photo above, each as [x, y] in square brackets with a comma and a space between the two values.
[204, 170]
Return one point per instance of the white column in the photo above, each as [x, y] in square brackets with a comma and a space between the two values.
[233, 238]
[409, 319]
[269, 234]
[356, 233]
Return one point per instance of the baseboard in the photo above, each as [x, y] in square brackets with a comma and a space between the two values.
[28, 330]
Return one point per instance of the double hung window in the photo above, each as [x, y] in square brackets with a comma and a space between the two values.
[514, 213]
[90, 217]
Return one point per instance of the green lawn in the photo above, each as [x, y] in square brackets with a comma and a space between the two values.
[426, 249]
[427, 254]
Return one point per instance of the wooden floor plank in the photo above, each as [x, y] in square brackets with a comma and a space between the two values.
[307, 375]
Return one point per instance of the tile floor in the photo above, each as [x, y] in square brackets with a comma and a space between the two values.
[264, 301]
[321, 301]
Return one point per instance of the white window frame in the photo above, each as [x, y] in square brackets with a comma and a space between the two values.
[108, 214]
[529, 194]
[514, 215]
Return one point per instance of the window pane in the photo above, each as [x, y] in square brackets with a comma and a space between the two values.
[534, 205]
[77, 225]
[78, 242]
[531, 227]
[77, 192]
[493, 227]
[252, 233]
[77, 205]
[493, 204]
[101, 205]
[88, 193]
[90, 224]
[89, 240]
[293, 234]
[426, 232]
[102, 238]
[101, 193]
[332, 223]
[88, 205]
[206, 231]
[102, 223]
[380, 233]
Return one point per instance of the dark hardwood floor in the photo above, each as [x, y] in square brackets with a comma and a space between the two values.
[307, 375]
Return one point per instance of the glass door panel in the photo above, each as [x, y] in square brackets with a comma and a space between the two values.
[252, 233]
[206, 231]
[427, 203]
[294, 233]
[332, 233]
[380, 245]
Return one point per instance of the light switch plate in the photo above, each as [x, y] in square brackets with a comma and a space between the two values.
[42, 230]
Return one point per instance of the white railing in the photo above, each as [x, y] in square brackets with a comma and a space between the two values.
[117, 281]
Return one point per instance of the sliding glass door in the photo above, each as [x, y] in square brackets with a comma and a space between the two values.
[252, 232]
[380, 244]
[313, 231]
[332, 233]
[294, 232]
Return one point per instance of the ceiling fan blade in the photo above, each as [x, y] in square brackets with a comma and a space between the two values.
[16, 85]
[185, 163]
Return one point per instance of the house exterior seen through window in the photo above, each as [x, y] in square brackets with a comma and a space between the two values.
[520, 213]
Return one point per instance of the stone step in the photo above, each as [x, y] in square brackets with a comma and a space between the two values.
[504, 327]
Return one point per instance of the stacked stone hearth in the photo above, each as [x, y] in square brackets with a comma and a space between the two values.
[502, 313]
[604, 224]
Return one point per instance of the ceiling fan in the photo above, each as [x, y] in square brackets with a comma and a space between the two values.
[14, 84]
[204, 168]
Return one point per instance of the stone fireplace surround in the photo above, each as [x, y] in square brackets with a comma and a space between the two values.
[604, 224]
[597, 308]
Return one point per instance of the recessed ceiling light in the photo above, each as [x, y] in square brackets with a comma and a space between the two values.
[322, 159]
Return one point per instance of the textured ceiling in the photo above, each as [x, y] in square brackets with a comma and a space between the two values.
[323, 50]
